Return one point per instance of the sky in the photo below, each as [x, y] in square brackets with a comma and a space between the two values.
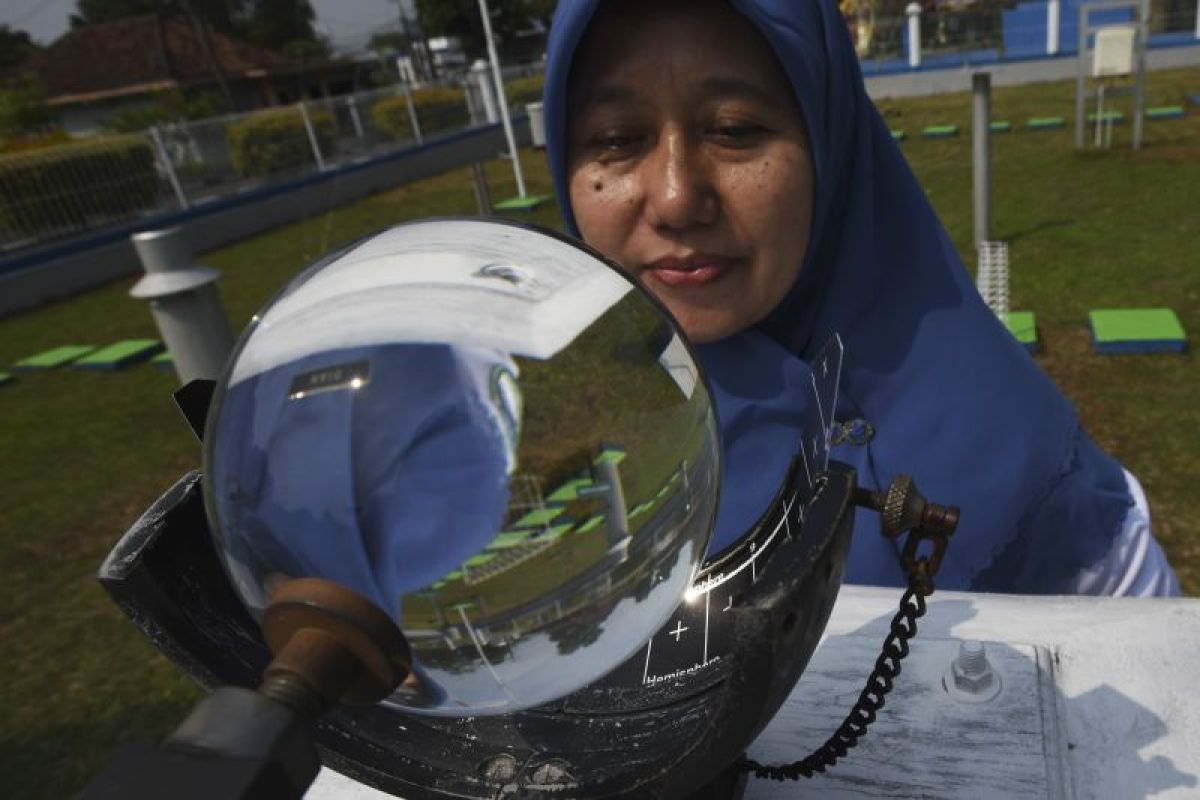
[347, 23]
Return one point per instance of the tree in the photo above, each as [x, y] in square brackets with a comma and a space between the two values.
[461, 18]
[390, 43]
[226, 16]
[271, 24]
[15, 47]
[23, 109]
[542, 10]
[275, 23]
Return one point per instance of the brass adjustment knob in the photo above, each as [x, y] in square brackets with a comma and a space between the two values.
[903, 507]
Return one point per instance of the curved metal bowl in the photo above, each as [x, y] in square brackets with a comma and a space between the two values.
[661, 726]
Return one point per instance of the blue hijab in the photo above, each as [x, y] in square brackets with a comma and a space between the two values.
[952, 398]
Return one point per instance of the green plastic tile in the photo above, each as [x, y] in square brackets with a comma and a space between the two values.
[522, 203]
[899, 136]
[120, 354]
[555, 531]
[570, 489]
[163, 361]
[538, 517]
[1165, 112]
[453, 575]
[55, 357]
[479, 559]
[1000, 126]
[1115, 116]
[591, 524]
[1045, 123]
[1023, 326]
[1135, 324]
[610, 454]
[510, 539]
[641, 508]
[939, 131]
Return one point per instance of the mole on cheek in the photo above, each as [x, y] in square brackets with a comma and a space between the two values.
[598, 186]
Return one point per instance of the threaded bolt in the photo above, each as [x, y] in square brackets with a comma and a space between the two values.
[972, 658]
[970, 677]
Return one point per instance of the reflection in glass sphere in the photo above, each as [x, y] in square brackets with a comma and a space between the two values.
[486, 430]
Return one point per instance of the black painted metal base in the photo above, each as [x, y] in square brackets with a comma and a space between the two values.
[675, 740]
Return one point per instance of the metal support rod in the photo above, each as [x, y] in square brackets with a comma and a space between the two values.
[1080, 75]
[1053, 27]
[184, 301]
[164, 158]
[981, 156]
[354, 118]
[413, 120]
[618, 515]
[483, 197]
[312, 136]
[914, 34]
[500, 99]
[1139, 90]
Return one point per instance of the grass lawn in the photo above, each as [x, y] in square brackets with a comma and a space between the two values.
[84, 453]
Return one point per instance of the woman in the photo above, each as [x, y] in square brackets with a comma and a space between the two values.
[726, 154]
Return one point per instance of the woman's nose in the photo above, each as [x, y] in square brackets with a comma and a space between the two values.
[679, 190]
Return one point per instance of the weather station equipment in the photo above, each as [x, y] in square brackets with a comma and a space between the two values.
[450, 539]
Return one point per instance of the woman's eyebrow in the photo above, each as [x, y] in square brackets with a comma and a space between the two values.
[608, 94]
[728, 86]
[619, 94]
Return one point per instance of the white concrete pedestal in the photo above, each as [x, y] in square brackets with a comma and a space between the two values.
[1100, 699]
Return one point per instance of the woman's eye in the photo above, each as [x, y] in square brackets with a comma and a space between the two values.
[615, 142]
[736, 134]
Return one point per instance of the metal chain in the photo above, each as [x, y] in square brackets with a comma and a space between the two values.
[879, 683]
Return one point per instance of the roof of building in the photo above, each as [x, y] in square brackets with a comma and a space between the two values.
[145, 53]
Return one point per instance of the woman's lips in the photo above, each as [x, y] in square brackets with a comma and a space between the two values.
[695, 270]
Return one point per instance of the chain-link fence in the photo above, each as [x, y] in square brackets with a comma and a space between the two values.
[71, 189]
[74, 188]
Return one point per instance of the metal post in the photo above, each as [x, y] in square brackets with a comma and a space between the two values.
[537, 125]
[183, 299]
[483, 197]
[1080, 75]
[618, 516]
[481, 74]
[312, 136]
[914, 34]
[1198, 19]
[1139, 86]
[354, 118]
[164, 159]
[1053, 18]
[981, 89]
[413, 121]
[500, 100]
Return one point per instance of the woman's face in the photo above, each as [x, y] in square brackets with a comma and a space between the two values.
[688, 160]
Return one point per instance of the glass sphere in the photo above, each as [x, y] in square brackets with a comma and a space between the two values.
[488, 431]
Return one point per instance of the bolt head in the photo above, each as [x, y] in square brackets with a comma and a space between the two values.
[550, 773]
[500, 769]
[975, 683]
